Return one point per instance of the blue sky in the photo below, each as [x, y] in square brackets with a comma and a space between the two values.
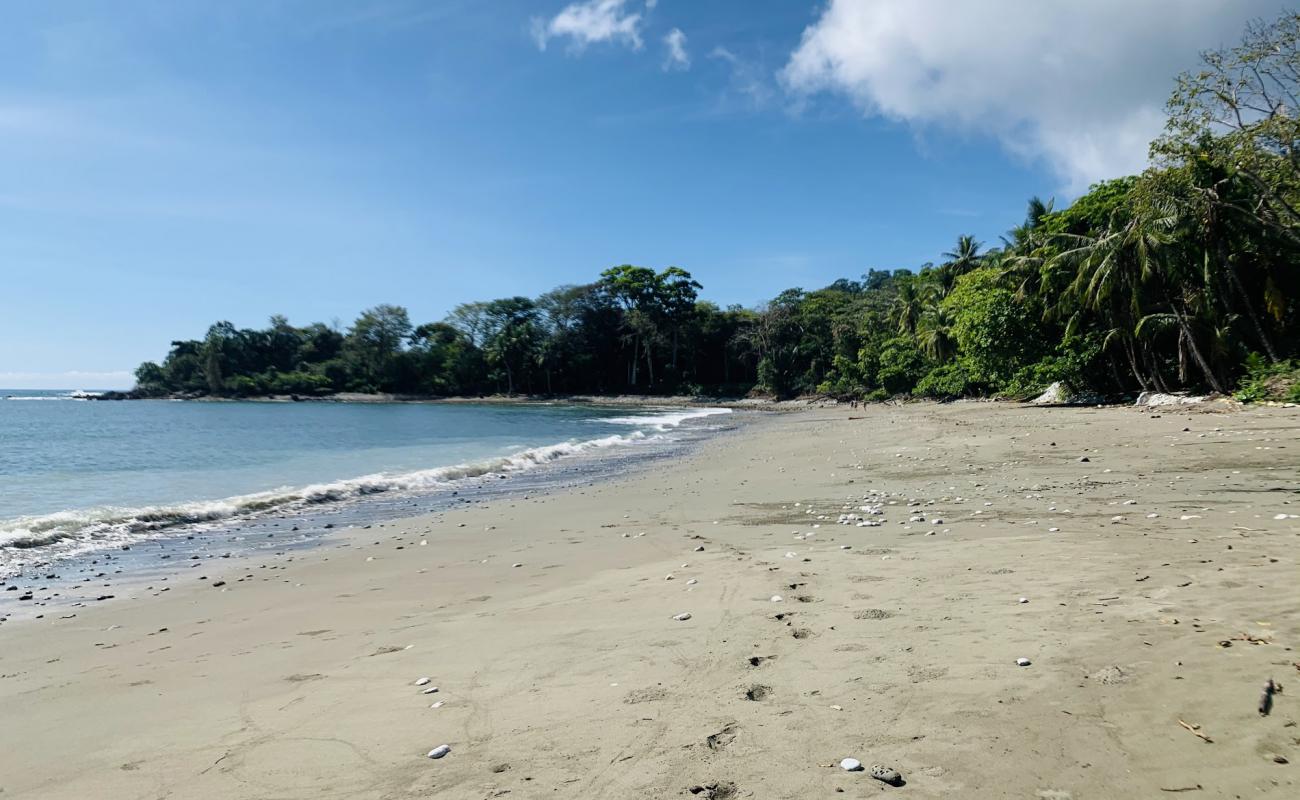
[168, 163]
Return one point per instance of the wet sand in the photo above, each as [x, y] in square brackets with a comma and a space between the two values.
[547, 626]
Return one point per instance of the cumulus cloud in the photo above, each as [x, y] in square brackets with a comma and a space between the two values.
[592, 21]
[677, 57]
[1080, 86]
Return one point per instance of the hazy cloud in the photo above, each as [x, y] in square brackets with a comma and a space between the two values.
[1080, 86]
[749, 79]
[677, 58]
[74, 379]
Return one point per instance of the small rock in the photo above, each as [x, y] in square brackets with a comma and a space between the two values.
[422, 682]
[1023, 662]
[886, 775]
[682, 617]
[440, 751]
[851, 765]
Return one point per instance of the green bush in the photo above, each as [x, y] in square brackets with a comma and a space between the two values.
[1269, 381]
[945, 382]
[901, 365]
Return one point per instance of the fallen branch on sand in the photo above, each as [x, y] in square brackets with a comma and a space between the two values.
[1196, 731]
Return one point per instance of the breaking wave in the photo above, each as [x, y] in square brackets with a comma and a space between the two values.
[666, 419]
[108, 526]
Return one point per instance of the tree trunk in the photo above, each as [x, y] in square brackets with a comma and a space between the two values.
[1157, 379]
[636, 345]
[1235, 280]
[1196, 353]
[1133, 365]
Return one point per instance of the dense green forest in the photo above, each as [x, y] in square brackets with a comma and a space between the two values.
[1185, 276]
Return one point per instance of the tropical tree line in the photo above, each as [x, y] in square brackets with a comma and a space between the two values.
[1183, 277]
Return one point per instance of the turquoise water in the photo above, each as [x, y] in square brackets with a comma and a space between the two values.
[82, 475]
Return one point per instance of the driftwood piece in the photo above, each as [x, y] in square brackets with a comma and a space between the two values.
[1195, 730]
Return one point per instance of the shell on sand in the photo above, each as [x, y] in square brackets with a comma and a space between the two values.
[440, 751]
[682, 617]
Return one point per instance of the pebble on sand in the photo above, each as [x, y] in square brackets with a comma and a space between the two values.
[682, 617]
[851, 765]
[440, 751]
[1023, 662]
[423, 682]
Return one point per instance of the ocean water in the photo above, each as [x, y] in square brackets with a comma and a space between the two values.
[80, 477]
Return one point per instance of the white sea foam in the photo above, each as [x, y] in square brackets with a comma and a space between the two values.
[96, 528]
[666, 419]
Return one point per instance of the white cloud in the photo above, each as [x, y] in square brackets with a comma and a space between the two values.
[1080, 86]
[590, 22]
[677, 57]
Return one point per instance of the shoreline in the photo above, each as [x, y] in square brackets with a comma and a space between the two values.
[629, 400]
[299, 523]
[547, 625]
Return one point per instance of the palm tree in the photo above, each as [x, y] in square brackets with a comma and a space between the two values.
[905, 312]
[934, 334]
[1113, 269]
[965, 256]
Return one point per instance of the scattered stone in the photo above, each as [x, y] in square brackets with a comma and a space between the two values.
[440, 751]
[1023, 662]
[682, 617]
[886, 775]
[851, 765]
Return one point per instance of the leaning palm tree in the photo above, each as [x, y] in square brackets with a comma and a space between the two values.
[965, 256]
[1118, 271]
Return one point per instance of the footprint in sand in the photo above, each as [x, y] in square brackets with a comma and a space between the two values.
[757, 692]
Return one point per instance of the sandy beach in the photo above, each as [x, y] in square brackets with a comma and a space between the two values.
[1155, 550]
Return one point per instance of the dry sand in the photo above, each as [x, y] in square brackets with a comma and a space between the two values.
[567, 676]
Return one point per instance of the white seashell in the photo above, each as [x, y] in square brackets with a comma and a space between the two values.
[422, 682]
[692, 582]
[431, 690]
[1023, 600]
[851, 765]
[668, 577]
[682, 617]
[776, 598]
[1022, 662]
[438, 704]
[440, 751]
